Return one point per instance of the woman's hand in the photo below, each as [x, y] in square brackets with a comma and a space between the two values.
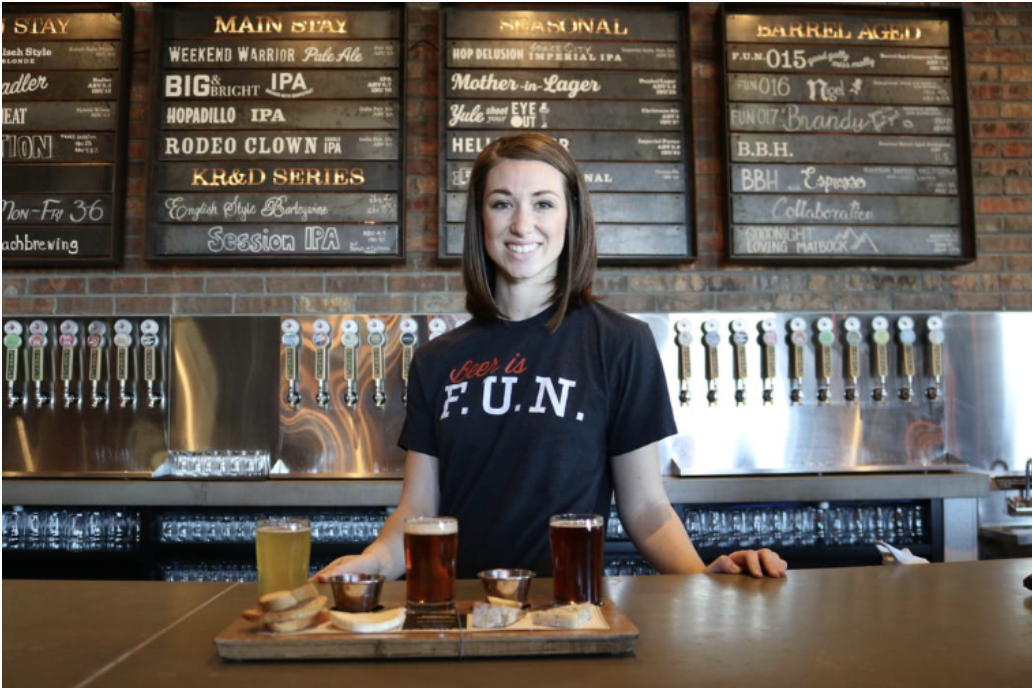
[352, 563]
[756, 563]
[386, 554]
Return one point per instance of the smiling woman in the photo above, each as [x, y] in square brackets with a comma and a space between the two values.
[524, 232]
[552, 195]
[546, 402]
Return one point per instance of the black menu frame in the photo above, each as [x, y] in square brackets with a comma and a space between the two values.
[595, 70]
[846, 138]
[68, 172]
[311, 169]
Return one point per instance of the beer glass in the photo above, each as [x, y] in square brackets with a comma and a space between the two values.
[431, 546]
[577, 541]
[283, 547]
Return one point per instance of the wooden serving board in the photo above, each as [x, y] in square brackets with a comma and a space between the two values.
[246, 640]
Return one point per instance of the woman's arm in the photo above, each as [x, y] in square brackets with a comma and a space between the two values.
[647, 516]
[420, 496]
[658, 533]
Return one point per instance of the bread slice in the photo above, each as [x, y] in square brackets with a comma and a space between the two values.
[252, 614]
[369, 622]
[306, 609]
[285, 599]
[570, 616]
[495, 616]
[277, 601]
[294, 625]
[502, 602]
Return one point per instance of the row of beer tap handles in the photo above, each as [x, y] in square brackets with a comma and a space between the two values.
[96, 344]
[351, 341]
[798, 338]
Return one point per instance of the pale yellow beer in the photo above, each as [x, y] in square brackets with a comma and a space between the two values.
[283, 547]
[431, 548]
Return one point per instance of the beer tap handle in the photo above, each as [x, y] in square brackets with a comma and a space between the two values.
[907, 338]
[350, 340]
[291, 340]
[711, 339]
[409, 340]
[377, 341]
[853, 340]
[936, 336]
[38, 344]
[798, 339]
[123, 342]
[437, 327]
[684, 340]
[68, 341]
[95, 342]
[37, 360]
[12, 353]
[740, 339]
[881, 337]
[322, 338]
[825, 340]
[150, 340]
[769, 339]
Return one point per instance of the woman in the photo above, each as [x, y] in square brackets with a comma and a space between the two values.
[546, 401]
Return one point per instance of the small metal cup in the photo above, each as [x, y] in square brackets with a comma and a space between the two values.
[508, 584]
[356, 592]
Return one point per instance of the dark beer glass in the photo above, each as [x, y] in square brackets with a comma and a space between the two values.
[577, 541]
[431, 546]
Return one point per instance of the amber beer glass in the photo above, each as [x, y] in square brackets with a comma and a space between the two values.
[283, 547]
[431, 546]
[577, 543]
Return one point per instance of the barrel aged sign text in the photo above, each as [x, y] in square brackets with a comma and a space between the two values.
[608, 83]
[65, 107]
[846, 136]
[277, 135]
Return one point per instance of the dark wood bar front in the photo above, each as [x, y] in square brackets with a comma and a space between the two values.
[958, 624]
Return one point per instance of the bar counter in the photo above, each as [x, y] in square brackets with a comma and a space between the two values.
[957, 624]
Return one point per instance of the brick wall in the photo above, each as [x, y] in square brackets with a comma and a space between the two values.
[999, 62]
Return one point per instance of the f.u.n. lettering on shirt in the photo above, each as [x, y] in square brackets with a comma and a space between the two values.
[500, 396]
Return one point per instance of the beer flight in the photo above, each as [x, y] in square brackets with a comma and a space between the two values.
[283, 549]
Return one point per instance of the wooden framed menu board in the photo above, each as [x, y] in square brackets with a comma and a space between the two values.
[65, 103]
[608, 81]
[277, 134]
[846, 136]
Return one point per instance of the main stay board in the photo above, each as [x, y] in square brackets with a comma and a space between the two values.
[277, 134]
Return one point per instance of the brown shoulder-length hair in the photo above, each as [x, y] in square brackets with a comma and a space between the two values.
[576, 268]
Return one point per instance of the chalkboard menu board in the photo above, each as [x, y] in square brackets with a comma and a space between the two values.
[846, 136]
[609, 83]
[277, 134]
[65, 103]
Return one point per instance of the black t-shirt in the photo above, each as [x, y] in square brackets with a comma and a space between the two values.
[523, 422]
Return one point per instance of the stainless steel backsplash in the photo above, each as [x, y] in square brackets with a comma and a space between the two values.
[225, 387]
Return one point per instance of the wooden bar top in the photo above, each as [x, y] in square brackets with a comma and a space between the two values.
[957, 624]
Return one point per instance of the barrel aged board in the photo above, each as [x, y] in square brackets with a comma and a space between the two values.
[846, 136]
[608, 82]
[277, 135]
[64, 133]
